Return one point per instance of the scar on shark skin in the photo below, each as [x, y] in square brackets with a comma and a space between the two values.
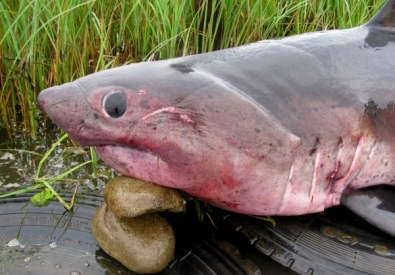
[169, 109]
[59, 102]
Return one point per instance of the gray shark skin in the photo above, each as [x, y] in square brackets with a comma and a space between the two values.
[278, 127]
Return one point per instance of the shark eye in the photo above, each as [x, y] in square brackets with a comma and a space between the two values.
[115, 104]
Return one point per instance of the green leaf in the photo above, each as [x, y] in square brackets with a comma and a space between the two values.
[267, 219]
[43, 198]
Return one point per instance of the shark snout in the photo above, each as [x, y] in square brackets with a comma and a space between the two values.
[65, 99]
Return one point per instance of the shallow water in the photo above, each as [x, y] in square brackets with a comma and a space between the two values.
[18, 166]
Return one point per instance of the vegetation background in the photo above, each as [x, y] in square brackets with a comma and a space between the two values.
[46, 43]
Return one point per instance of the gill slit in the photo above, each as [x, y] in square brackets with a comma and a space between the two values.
[287, 190]
[317, 161]
[339, 186]
[332, 178]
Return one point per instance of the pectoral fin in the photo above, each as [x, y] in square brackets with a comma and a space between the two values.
[375, 205]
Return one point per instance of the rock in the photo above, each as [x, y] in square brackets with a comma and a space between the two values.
[129, 197]
[128, 227]
[143, 244]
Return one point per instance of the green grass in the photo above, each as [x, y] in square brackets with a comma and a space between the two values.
[45, 43]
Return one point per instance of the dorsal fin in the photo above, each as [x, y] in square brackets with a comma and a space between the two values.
[385, 17]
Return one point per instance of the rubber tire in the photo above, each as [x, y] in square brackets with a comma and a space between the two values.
[334, 242]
